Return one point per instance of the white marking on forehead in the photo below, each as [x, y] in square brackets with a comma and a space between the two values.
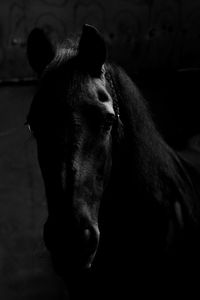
[100, 81]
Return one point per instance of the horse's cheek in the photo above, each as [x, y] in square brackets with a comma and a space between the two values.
[108, 165]
[103, 168]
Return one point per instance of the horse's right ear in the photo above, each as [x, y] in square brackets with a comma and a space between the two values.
[92, 50]
[40, 51]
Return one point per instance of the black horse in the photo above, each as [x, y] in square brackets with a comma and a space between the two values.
[123, 206]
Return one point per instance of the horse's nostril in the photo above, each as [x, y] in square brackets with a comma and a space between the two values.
[79, 244]
[87, 234]
[91, 239]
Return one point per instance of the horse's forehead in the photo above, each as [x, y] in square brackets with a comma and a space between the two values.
[92, 85]
[95, 83]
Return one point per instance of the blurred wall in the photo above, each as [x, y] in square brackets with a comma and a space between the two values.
[141, 33]
[26, 272]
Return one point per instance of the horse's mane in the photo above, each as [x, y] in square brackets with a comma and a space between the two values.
[160, 174]
[66, 50]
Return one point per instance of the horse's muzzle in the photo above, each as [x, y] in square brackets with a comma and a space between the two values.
[71, 248]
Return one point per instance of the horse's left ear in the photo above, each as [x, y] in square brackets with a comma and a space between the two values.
[92, 50]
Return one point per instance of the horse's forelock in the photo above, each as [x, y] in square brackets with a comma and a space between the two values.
[67, 50]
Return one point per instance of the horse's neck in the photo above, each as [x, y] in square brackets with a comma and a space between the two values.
[152, 199]
[147, 170]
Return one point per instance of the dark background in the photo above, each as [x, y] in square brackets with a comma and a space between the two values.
[157, 43]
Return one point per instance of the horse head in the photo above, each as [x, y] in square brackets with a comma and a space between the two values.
[100, 176]
[73, 117]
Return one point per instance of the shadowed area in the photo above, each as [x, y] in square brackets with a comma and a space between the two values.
[25, 265]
